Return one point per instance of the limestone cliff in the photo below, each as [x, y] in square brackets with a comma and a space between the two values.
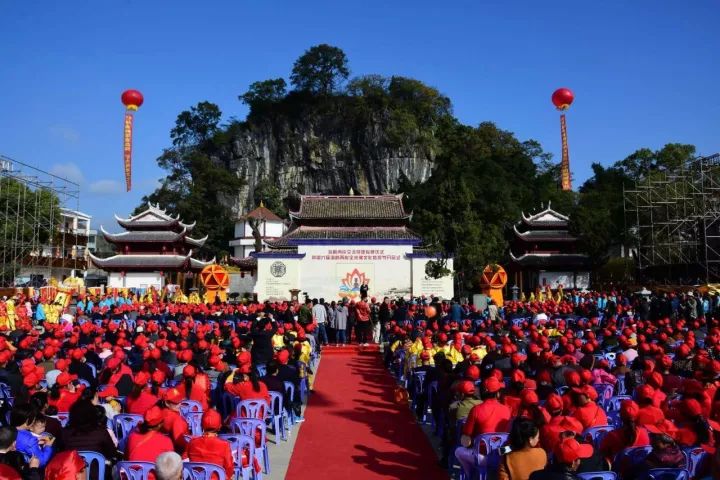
[324, 154]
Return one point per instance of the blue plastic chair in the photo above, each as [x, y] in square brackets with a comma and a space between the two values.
[134, 470]
[63, 418]
[93, 368]
[202, 471]
[190, 406]
[252, 409]
[431, 392]
[261, 369]
[631, 456]
[596, 434]
[248, 426]
[605, 392]
[278, 416]
[290, 393]
[92, 458]
[668, 474]
[304, 386]
[228, 403]
[194, 421]
[694, 457]
[561, 390]
[491, 443]
[123, 424]
[614, 418]
[597, 476]
[613, 404]
[238, 444]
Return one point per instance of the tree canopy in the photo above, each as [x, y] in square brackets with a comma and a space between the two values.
[320, 70]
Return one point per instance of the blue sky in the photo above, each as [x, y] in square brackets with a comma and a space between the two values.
[644, 72]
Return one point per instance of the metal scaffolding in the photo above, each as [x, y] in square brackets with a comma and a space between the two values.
[31, 200]
[674, 217]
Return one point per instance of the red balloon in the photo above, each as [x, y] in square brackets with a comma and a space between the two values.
[132, 98]
[430, 312]
[562, 98]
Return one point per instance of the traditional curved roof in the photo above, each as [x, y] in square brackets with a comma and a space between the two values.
[544, 235]
[551, 259]
[262, 213]
[306, 233]
[351, 207]
[546, 217]
[149, 262]
[153, 218]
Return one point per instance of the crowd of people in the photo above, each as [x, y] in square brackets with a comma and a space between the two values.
[542, 371]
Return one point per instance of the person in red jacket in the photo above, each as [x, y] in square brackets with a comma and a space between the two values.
[65, 392]
[362, 315]
[244, 384]
[209, 448]
[489, 416]
[147, 442]
[195, 386]
[140, 399]
[558, 423]
[587, 411]
[66, 466]
[649, 413]
[173, 423]
[629, 435]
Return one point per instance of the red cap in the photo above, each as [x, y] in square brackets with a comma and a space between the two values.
[113, 363]
[153, 416]
[529, 397]
[466, 387]
[472, 372]
[425, 356]
[569, 450]
[189, 371]
[158, 376]
[173, 395]
[629, 410]
[65, 378]
[492, 384]
[141, 379]
[645, 392]
[110, 391]
[554, 403]
[283, 356]
[211, 420]
[77, 354]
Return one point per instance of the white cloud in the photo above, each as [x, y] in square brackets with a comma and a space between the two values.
[64, 132]
[69, 171]
[106, 187]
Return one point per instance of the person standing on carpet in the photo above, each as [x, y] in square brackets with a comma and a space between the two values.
[363, 321]
[319, 315]
[341, 323]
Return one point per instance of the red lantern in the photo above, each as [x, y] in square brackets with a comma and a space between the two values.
[562, 98]
[132, 99]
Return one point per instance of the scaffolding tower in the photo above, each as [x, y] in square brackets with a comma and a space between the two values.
[674, 217]
[31, 201]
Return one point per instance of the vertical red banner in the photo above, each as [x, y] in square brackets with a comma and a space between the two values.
[565, 183]
[127, 148]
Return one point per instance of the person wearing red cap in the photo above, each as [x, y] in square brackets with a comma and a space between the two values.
[558, 423]
[195, 386]
[141, 398]
[146, 442]
[65, 392]
[173, 423]
[489, 416]
[586, 410]
[568, 453]
[694, 430]
[649, 414]
[630, 434]
[66, 466]
[208, 448]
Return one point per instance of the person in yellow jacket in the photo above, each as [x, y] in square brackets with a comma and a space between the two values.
[11, 315]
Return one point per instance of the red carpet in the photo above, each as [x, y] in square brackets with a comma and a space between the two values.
[354, 430]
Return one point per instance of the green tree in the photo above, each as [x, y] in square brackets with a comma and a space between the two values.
[198, 184]
[265, 92]
[320, 70]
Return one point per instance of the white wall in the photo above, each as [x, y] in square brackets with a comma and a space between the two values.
[135, 280]
[241, 284]
[276, 277]
[431, 287]
[331, 272]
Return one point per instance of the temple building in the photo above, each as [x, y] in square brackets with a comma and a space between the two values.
[543, 252]
[154, 247]
[336, 243]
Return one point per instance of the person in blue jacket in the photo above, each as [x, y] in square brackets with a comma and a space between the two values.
[22, 417]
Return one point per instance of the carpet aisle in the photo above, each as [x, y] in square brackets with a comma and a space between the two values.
[354, 430]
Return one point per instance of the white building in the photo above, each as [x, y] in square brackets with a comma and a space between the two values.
[337, 243]
[271, 228]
